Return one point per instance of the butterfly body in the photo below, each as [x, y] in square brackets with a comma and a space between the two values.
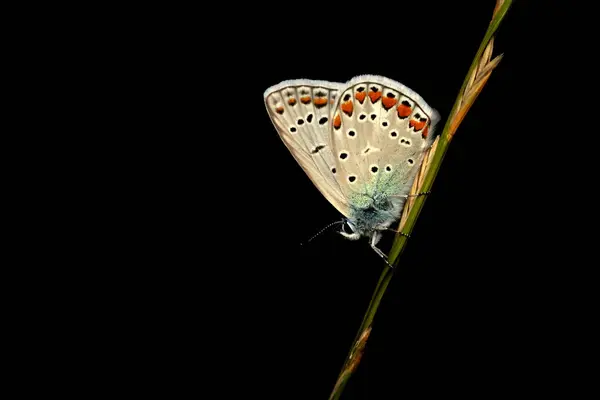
[361, 143]
[377, 215]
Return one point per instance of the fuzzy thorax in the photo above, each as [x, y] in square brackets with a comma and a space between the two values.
[379, 212]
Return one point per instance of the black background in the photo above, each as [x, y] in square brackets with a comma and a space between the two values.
[221, 283]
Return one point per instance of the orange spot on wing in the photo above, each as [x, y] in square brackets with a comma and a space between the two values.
[279, 110]
[360, 96]
[337, 122]
[320, 101]
[331, 101]
[348, 107]
[388, 102]
[404, 111]
[292, 101]
[374, 96]
[425, 132]
[305, 99]
[418, 125]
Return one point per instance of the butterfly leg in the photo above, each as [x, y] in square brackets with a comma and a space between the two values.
[406, 196]
[374, 239]
[420, 194]
[395, 231]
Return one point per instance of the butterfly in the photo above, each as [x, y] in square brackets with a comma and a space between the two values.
[361, 143]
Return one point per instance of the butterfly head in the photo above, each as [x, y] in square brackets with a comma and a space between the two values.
[353, 234]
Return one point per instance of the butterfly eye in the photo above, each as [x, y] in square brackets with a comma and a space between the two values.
[347, 226]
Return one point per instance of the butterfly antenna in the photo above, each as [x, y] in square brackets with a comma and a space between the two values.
[322, 230]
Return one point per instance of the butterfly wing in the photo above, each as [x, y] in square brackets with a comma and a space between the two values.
[381, 130]
[301, 111]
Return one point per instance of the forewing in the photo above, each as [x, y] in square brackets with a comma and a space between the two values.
[301, 112]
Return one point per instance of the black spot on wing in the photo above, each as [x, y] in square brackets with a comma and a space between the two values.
[317, 149]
